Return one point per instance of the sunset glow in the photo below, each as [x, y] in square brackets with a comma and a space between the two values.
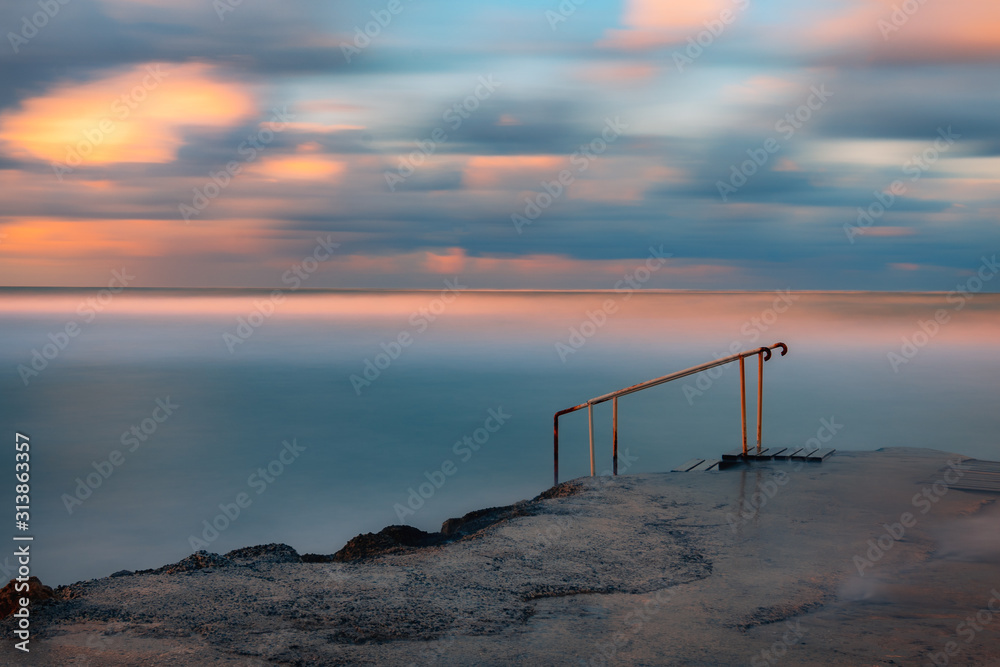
[749, 139]
[135, 116]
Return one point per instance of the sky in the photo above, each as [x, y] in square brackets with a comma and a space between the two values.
[754, 144]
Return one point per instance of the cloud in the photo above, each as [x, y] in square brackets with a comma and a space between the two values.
[451, 263]
[507, 171]
[957, 31]
[528, 269]
[147, 10]
[123, 240]
[137, 115]
[891, 232]
[889, 31]
[618, 74]
[653, 23]
[325, 172]
[300, 167]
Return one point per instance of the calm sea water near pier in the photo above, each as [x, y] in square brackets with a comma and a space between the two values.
[327, 414]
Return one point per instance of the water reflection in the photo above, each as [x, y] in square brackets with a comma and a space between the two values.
[291, 379]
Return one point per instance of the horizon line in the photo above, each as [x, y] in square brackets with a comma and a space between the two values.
[321, 290]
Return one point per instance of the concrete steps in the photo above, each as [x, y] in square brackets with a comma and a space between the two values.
[736, 457]
[698, 465]
[976, 475]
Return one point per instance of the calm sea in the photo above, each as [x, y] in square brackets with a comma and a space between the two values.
[154, 414]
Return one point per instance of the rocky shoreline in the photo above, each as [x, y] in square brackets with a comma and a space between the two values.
[710, 568]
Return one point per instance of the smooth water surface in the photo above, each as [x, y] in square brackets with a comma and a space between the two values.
[361, 451]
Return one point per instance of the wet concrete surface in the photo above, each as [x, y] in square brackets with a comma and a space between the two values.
[868, 558]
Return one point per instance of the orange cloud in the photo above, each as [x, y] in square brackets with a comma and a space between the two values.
[785, 164]
[329, 106]
[492, 171]
[303, 166]
[454, 261]
[889, 231]
[655, 23]
[135, 116]
[851, 27]
[70, 239]
[659, 15]
[451, 263]
[959, 29]
[882, 30]
[321, 128]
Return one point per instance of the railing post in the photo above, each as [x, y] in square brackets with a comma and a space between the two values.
[614, 436]
[743, 406]
[760, 395]
[555, 449]
[590, 418]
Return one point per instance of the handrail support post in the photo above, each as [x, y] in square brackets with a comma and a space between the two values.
[743, 406]
[555, 449]
[614, 436]
[590, 418]
[760, 396]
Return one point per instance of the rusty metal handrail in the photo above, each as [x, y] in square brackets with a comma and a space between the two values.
[763, 354]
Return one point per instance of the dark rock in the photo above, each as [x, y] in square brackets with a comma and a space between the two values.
[399, 538]
[262, 553]
[561, 491]
[265, 553]
[389, 539]
[316, 558]
[122, 573]
[479, 519]
[196, 561]
[9, 598]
